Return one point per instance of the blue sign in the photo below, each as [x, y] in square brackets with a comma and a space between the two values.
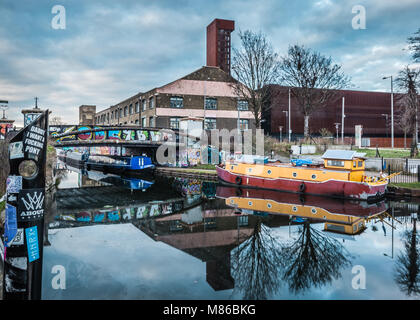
[32, 243]
[10, 225]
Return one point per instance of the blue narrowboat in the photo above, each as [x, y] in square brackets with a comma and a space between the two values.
[139, 164]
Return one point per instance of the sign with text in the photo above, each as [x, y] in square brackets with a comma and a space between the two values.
[34, 141]
[32, 243]
[31, 204]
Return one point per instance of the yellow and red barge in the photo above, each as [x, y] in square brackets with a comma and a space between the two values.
[342, 175]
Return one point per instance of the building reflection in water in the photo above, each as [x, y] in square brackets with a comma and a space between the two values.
[235, 234]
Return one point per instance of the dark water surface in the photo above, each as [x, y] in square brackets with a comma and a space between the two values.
[187, 239]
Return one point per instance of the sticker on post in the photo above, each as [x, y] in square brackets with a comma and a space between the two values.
[13, 184]
[16, 150]
[32, 243]
[18, 239]
[15, 279]
[34, 140]
[31, 204]
[10, 225]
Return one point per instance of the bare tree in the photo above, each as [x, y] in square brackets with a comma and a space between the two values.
[313, 260]
[313, 78]
[407, 267]
[414, 45]
[256, 264]
[404, 118]
[56, 121]
[255, 66]
[408, 80]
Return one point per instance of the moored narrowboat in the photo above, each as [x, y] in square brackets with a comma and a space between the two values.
[342, 175]
[139, 164]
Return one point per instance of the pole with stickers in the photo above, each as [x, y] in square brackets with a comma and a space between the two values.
[25, 205]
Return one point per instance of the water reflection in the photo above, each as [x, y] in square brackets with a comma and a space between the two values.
[256, 263]
[189, 239]
[312, 260]
[407, 265]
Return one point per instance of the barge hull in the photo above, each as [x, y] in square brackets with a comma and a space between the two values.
[331, 188]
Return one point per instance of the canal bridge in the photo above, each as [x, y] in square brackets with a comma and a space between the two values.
[121, 140]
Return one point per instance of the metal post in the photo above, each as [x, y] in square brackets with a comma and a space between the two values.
[342, 122]
[290, 128]
[392, 115]
[25, 205]
[418, 173]
[336, 130]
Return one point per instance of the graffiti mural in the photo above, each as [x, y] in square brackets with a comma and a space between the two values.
[4, 129]
[122, 215]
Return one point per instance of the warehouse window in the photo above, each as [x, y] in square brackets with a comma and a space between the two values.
[176, 102]
[174, 123]
[211, 103]
[242, 105]
[210, 123]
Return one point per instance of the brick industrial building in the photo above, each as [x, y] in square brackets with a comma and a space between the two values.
[207, 93]
[372, 110]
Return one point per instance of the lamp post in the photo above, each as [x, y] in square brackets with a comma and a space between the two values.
[4, 107]
[392, 111]
[337, 124]
[281, 137]
[287, 117]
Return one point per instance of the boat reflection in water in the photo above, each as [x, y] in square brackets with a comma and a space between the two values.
[340, 216]
[204, 241]
[311, 258]
[141, 182]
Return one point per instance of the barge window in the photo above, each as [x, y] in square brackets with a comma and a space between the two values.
[313, 210]
[294, 208]
[314, 176]
[354, 164]
[336, 163]
[250, 203]
[337, 228]
[269, 171]
[269, 205]
[360, 163]
[294, 174]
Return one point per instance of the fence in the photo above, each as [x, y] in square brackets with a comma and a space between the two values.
[409, 172]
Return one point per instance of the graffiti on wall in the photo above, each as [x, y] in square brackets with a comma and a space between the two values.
[123, 215]
[4, 129]
[119, 135]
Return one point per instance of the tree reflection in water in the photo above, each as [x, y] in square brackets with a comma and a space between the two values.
[407, 266]
[312, 260]
[256, 262]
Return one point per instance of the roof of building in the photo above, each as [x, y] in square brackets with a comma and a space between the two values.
[339, 154]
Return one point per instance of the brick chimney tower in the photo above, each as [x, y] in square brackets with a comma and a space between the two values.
[218, 43]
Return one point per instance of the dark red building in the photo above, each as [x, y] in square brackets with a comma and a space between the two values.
[218, 43]
[372, 110]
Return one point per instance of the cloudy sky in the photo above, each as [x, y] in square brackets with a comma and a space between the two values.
[110, 50]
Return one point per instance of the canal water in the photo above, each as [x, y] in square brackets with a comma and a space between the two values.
[128, 238]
